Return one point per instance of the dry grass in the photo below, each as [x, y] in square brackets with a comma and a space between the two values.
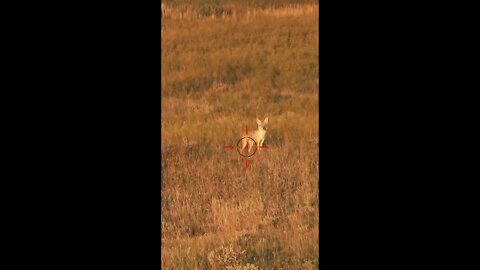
[190, 12]
[218, 76]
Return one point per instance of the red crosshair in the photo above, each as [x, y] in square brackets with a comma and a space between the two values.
[238, 150]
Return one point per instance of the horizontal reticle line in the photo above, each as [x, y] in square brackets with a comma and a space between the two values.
[228, 146]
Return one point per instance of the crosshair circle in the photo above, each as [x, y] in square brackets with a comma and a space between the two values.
[248, 138]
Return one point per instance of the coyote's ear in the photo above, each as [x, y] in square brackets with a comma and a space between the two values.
[266, 120]
[259, 122]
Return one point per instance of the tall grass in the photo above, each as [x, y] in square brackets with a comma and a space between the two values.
[203, 6]
[218, 75]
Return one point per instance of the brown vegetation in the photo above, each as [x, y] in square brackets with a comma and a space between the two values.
[219, 75]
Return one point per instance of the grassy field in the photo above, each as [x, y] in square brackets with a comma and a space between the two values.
[220, 73]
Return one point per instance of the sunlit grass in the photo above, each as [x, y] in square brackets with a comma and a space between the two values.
[219, 75]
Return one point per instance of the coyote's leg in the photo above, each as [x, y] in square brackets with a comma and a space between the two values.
[244, 144]
[260, 143]
[250, 145]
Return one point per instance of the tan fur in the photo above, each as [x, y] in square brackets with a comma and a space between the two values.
[258, 135]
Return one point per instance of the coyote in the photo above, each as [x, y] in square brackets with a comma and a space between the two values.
[258, 135]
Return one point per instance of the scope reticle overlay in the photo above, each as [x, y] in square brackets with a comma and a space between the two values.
[239, 150]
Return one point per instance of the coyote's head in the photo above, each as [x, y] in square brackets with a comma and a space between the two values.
[262, 125]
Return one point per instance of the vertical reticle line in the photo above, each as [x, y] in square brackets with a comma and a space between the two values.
[246, 163]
